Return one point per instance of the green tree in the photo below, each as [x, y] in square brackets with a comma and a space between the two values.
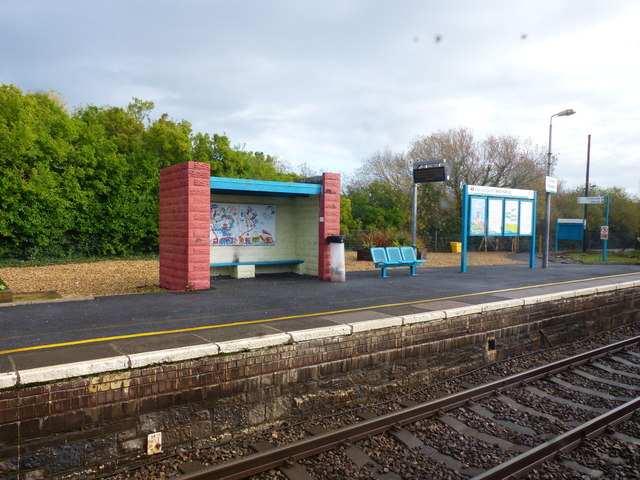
[140, 109]
[379, 206]
[87, 182]
[36, 138]
[500, 161]
[497, 161]
[119, 176]
[168, 142]
[347, 220]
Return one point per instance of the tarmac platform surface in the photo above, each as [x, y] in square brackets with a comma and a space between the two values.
[52, 333]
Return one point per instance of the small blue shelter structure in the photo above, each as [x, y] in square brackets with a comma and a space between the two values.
[569, 229]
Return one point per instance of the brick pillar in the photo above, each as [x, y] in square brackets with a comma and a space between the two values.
[184, 226]
[330, 213]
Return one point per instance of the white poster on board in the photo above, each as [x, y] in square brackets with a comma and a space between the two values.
[511, 217]
[478, 214]
[495, 217]
[526, 218]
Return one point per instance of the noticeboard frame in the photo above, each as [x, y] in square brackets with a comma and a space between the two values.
[500, 212]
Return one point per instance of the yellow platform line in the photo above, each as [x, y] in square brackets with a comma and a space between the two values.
[304, 315]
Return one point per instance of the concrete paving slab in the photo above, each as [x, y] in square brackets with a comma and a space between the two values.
[527, 292]
[352, 317]
[8, 379]
[466, 310]
[564, 287]
[130, 346]
[503, 304]
[72, 370]
[303, 323]
[5, 363]
[481, 299]
[425, 316]
[400, 310]
[254, 343]
[237, 332]
[62, 355]
[441, 305]
[322, 332]
[598, 282]
[170, 355]
[378, 323]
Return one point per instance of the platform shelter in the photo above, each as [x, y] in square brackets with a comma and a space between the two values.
[240, 227]
[569, 229]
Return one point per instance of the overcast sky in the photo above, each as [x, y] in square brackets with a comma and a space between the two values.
[327, 83]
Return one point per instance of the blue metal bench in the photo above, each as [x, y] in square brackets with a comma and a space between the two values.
[391, 257]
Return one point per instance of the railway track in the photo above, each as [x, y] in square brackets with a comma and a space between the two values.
[535, 422]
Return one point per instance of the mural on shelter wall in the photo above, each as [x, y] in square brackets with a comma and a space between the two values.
[242, 224]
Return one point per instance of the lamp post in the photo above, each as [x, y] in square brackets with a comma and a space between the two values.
[547, 216]
[585, 236]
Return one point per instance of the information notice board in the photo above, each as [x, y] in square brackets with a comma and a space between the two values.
[498, 212]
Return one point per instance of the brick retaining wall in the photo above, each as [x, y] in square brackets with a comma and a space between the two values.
[81, 423]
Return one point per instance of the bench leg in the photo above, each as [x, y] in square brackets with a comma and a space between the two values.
[413, 270]
[243, 271]
[383, 272]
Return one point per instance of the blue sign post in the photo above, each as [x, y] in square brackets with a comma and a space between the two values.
[499, 212]
[605, 238]
[604, 229]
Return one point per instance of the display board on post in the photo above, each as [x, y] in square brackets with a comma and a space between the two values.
[499, 212]
[429, 171]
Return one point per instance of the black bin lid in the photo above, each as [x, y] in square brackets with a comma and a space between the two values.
[335, 239]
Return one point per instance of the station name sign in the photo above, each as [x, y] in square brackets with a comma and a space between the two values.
[431, 171]
[590, 200]
[500, 191]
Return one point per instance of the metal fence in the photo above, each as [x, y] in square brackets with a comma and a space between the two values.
[436, 241]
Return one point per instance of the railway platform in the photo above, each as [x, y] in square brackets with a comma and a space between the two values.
[75, 337]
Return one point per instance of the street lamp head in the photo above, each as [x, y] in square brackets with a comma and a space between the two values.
[566, 113]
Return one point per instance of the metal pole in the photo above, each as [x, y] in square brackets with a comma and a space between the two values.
[414, 219]
[532, 250]
[547, 214]
[465, 224]
[547, 217]
[585, 238]
[604, 242]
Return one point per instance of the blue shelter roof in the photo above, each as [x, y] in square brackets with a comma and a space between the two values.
[243, 186]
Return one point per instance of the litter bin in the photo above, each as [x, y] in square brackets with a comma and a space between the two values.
[336, 254]
[456, 247]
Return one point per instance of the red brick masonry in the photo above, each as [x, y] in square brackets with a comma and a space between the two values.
[330, 212]
[184, 226]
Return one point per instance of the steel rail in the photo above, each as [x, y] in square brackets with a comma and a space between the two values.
[525, 462]
[279, 456]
